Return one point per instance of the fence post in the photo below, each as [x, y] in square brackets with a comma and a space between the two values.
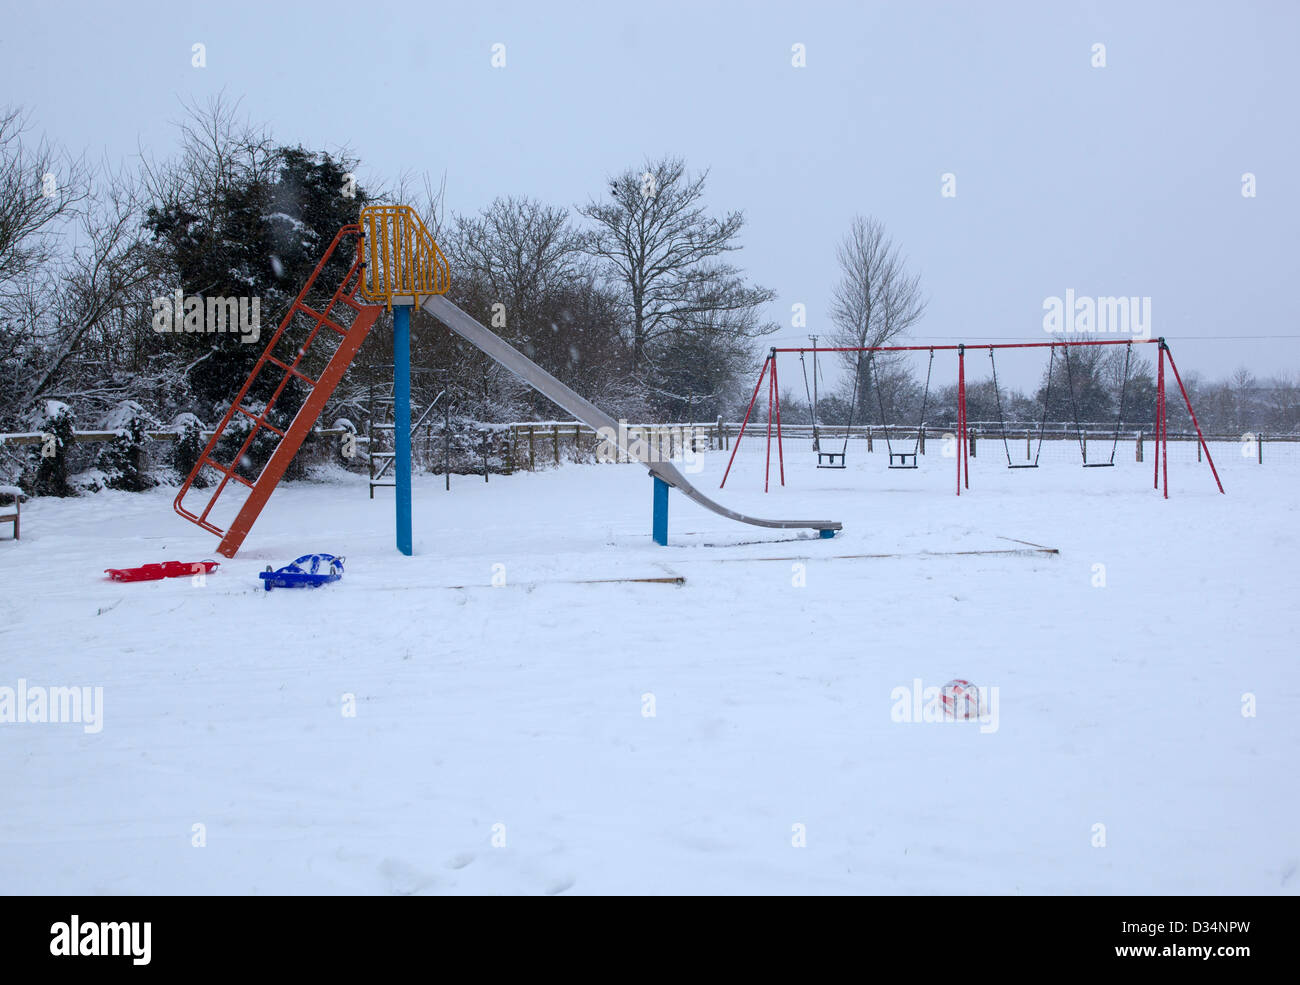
[869, 448]
[1029, 448]
[921, 438]
[1259, 447]
[555, 437]
[532, 458]
[1139, 446]
[970, 441]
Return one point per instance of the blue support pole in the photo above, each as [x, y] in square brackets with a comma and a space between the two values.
[659, 529]
[402, 423]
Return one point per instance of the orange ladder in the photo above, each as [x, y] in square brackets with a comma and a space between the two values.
[289, 359]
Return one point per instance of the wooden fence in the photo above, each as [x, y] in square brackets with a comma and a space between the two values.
[526, 445]
[529, 444]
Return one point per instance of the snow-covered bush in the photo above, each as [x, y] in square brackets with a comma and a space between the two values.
[123, 460]
[348, 451]
[188, 447]
[55, 422]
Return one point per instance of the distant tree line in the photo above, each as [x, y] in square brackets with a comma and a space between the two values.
[630, 298]
[634, 298]
[1094, 388]
[877, 301]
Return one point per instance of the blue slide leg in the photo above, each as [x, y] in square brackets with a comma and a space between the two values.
[660, 530]
[402, 423]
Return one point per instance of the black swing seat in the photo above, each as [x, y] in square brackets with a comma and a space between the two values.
[1028, 465]
[905, 459]
[1098, 465]
[830, 460]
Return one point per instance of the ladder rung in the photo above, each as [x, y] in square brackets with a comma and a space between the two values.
[319, 318]
[289, 369]
[229, 473]
[260, 422]
[381, 485]
[383, 454]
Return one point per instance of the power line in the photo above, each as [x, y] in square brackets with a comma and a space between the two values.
[1021, 338]
[1171, 338]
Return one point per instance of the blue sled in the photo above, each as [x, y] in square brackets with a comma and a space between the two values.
[304, 572]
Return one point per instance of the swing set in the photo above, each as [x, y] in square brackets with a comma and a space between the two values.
[908, 459]
[836, 459]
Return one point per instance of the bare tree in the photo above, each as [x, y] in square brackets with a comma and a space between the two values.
[1284, 402]
[662, 248]
[220, 150]
[520, 264]
[522, 251]
[1125, 374]
[1244, 386]
[42, 190]
[423, 194]
[876, 299]
[100, 286]
[40, 187]
[75, 267]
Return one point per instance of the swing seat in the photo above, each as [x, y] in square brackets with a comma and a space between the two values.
[1098, 465]
[828, 459]
[1028, 465]
[906, 460]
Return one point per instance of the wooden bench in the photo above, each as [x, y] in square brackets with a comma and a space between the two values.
[16, 494]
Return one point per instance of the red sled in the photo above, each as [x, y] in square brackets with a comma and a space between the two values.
[168, 569]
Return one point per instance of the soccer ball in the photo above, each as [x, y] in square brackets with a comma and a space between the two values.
[960, 699]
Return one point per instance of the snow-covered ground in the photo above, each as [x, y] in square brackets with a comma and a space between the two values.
[520, 713]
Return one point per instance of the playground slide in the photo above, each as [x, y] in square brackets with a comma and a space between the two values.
[588, 413]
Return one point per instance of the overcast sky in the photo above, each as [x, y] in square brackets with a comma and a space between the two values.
[1122, 180]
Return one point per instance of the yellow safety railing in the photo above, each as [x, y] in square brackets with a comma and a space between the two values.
[402, 260]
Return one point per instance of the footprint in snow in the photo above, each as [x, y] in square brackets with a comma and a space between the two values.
[402, 878]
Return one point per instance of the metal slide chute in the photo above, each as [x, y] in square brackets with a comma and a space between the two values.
[473, 332]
